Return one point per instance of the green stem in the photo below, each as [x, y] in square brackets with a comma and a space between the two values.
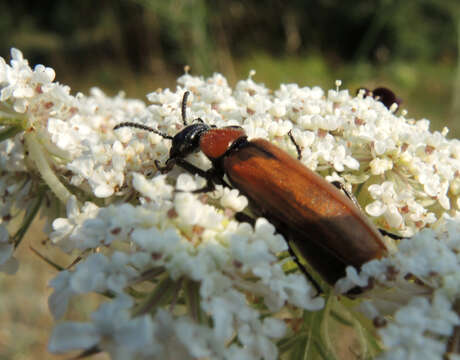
[29, 217]
[47, 260]
[6, 119]
[8, 116]
[48, 175]
[162, 292]
[192, 299]
[325, 322]
[9, 132]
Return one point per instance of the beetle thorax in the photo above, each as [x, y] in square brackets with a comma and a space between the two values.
[215, 142]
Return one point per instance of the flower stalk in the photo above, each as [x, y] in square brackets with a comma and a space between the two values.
[39, 158]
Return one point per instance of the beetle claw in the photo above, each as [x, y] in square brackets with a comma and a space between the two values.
[167, 167]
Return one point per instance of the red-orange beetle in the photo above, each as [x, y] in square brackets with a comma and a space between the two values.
[327, 228]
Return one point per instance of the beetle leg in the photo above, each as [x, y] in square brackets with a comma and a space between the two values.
[242, 217]
[211, 176]
[297, 147]
[303, 269]
[349, 195]
[391, 235]
[340, 186]
[168, 166]
[207, 188]
[192, 169]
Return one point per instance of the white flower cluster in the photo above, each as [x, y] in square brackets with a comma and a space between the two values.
[423, 310]
[205, 285]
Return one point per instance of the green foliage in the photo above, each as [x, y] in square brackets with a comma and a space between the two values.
[200, 32]
[137, 45]
[335, 332]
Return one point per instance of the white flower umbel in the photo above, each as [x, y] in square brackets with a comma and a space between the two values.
[179, 242]
[182, 278]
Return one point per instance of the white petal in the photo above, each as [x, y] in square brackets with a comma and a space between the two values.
[73, 336]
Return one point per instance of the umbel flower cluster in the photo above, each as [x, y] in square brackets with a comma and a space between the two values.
[178, 276]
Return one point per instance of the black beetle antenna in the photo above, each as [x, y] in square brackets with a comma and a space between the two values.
[148, 128]
[142, 127]
[184, 107]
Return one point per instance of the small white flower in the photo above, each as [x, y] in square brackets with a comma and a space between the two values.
[63, 292]
[154, 188]
[156, 242]
[66, 230]
[112, 329]
[379, 166]
[233, 199]
[185, 182]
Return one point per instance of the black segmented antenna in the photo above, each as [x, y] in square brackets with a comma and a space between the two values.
[142, 127]
[184, 107]
[148, 128]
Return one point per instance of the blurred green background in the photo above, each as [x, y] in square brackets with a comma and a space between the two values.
[411, 47]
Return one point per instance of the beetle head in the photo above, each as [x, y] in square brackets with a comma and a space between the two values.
[187, 141]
